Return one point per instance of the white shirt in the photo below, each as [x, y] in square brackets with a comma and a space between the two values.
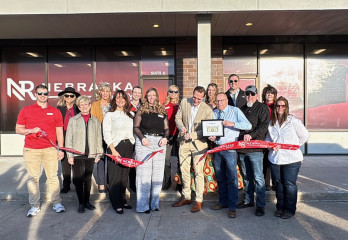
[292, 131]
[194, 111]
[117, 126]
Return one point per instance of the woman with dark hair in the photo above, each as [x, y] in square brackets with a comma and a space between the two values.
[210, 95]
[285, 164]
[152, 129]
[66, 105]
[136, 99]
[269, 96]
[118, 135]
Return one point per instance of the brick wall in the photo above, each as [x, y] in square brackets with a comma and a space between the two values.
[186, 64]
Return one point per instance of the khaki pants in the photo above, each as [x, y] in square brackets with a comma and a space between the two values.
[34, 159]
[187, 150]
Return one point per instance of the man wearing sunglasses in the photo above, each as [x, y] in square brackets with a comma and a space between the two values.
[38, 151]
[235, 95]
[252, 159]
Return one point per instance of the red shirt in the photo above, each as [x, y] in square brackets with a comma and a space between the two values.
[171, 112]
[270, 108]
[69, 114]
[47, 119]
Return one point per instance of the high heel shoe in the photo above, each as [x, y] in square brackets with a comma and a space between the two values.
[119, 211]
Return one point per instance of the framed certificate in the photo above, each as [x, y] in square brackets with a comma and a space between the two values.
[213, 127]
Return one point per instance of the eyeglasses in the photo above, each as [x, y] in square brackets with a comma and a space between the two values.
[219, 101]
[172, 91]
[44, 93]
[250, 93]
[69, 95]
[231, 81]
[280, 106]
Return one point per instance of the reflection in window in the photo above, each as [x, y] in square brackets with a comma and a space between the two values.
[240, 59]
[22, 69]
[157, 60]
[70, 67]
[118, 66]
[327, 69]
[281, 65]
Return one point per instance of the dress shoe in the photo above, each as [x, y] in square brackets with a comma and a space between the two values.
[89, 206]
[119, 211]
[65, 189]
[197, 207]
[81, 208]
[182, 202]
[245, 205]
[126, 206]
[147, 211]
[259, 211]
[232, 213]
[278, 213]
[287, 215]
[218, 207]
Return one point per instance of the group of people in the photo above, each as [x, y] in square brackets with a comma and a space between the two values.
[137, 128]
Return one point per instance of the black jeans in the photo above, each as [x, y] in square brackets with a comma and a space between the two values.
[118, 175]
[82, 179]
[66, 171]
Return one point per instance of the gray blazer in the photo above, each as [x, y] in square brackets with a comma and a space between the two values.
[76, 136]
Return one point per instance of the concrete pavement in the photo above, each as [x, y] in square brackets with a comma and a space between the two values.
[322, 211]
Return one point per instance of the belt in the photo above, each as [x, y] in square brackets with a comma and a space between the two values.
[154, 134]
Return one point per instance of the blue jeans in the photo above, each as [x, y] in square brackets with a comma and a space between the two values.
[225, 163]
[254, 181]
[286, 193]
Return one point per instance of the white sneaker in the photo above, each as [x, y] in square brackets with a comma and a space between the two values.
[59, 208]
[33, 211]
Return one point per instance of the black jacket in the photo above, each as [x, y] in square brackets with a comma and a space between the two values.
[258, 116]
[240, 99]
[62, 109]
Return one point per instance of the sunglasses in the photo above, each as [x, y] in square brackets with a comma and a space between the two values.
[250, 93]
[280, 106]
[42, 93]
[231, 81]
[172, 91]
[69, 95]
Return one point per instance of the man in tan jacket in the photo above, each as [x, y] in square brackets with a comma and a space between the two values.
[192, 145]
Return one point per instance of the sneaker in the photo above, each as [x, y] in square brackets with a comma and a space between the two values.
[59, 208]
[33, 211]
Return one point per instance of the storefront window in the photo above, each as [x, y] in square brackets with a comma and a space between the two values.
[240, 59]
[22, 70]
[282, 66]
[70, 67]
[118, 66]
[327, 86]
[157, 60]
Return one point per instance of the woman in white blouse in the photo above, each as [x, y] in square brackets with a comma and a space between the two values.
[118, 135]
[285, 164]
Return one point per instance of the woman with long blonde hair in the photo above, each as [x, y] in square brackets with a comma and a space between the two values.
[171, 105]
[99, 108]
[210, 95]
[152, 129]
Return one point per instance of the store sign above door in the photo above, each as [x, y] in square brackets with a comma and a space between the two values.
[26, 88]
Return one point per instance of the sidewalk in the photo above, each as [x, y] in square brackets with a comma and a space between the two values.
[320, 178]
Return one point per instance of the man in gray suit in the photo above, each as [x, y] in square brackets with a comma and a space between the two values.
[192, 144]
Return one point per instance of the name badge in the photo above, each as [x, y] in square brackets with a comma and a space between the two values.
[167, 107]
[161, 116]
[50, 114]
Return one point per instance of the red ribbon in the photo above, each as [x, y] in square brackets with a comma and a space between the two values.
[250, 144]
[128, 162]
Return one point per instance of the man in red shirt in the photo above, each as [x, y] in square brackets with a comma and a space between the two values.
[40, 152]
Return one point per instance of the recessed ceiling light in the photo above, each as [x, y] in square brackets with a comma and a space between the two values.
[125, 53]
[58, 65]
[72, 54]
[263, 51]
[33, 54]
[249, 24]
[318, 51]
[155, 25]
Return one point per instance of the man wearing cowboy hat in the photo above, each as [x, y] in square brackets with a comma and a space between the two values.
[68, 108]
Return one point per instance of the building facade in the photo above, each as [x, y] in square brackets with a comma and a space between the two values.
[299, 48]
